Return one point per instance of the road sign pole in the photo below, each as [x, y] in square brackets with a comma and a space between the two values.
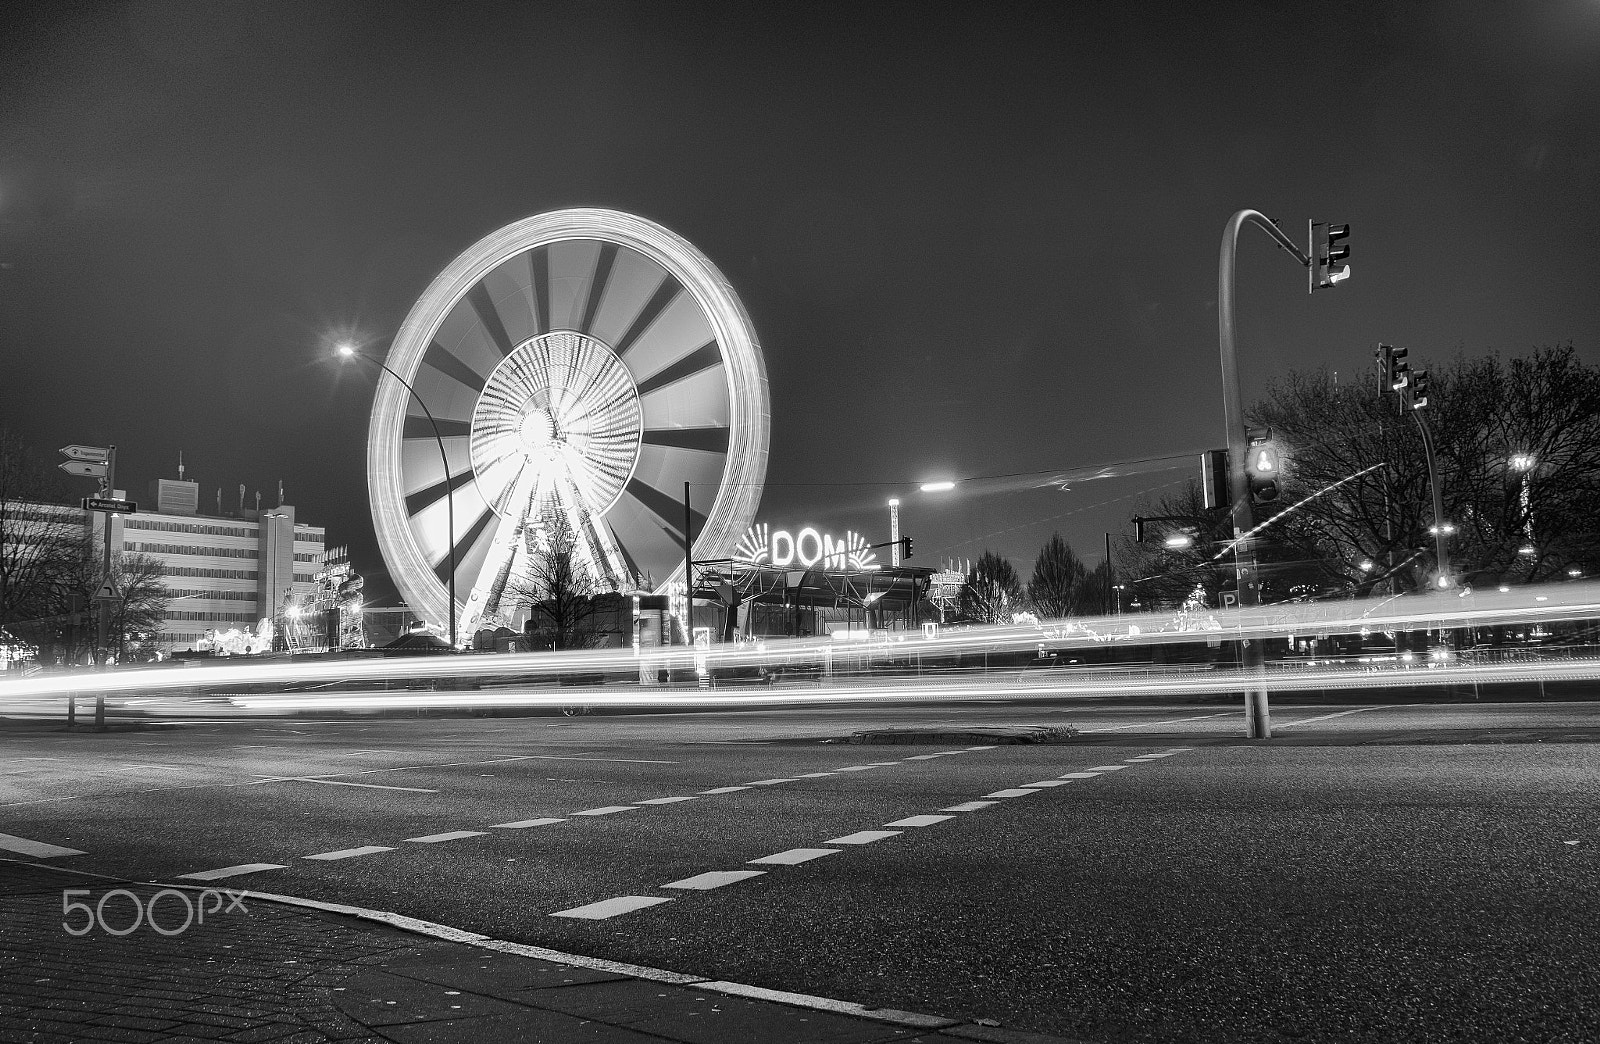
[103, 652]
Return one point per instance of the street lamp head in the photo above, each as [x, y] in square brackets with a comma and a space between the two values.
[346, 350]
[937, 487]
[1521, 461]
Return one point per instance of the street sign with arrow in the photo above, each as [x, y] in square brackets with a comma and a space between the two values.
[84, 468]
[97, 454]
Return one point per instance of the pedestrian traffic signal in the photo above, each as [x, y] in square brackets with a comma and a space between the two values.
[1396, 371]
[1417, 390]
[906, 553]
[1262, 467]
[1214, 478]
[1328, 253]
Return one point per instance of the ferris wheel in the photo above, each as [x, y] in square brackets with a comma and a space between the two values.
[580, 366]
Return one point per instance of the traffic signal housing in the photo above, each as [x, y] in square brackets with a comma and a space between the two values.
[905, 551]
[1417, 390]
[1262, 467]
[1396, 371]
[1328, 253]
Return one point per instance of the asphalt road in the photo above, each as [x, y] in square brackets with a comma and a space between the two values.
[1367, 875]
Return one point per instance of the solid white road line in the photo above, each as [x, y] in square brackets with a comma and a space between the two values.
[770, 782]
[814, 775]
[664, 801]
[1107, 768]
[918, 821]
[433, 839]
[923, 757]
[229, 871]
[856, 768]
[865, 837]
[714, 879]
[795, 855]
[970, 806]
[606, 810]
[350, 853]
[989, 747]
[1169, 721]
[37, 849]
[340, 783]
[1325, 717]
[723, 790]
[1011, 792]
[568, 757]
[522, 824]
[611, 907]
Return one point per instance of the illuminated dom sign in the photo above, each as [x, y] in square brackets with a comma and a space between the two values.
[762, 545]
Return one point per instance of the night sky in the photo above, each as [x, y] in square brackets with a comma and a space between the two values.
[974, 239]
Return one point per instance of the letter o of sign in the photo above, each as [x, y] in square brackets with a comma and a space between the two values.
[816, 547]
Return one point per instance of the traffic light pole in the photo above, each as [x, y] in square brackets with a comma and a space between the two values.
[1258, 718]
[103, 640]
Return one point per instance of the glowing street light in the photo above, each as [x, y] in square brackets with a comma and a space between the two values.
[1179, 540]
[937, 487]
[1521, 461]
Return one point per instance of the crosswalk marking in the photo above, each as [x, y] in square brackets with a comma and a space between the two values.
[1107, 768]
[918, 821]
[866, 837]
[606, 810]
[350, 853]
[523, 824]
[970, 806]
[1080, 775]
[229, 871]
[612, 907]
[814, 775]
[452, 835]
[770, 782]
[723, 790]
[664, 801]
[1011, 792]
[795, 855]
[714, 879]
[37, 849]
[1049, 783]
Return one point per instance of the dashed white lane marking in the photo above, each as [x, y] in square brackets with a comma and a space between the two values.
[856, 768]
[1169, 721]
[989, 747]
[795, 855]
[611, 907]
[770, 782]
[663, 801]
[229, 871]
[814, 775]
[1107, 768]
[37, 849]
[569, 757]
[923, 757]
[606, 810]
[723, 790]
[1325, 717]
[1080, 775]
[1011, 792]
[866, 837]
[970, 806]
[350, 853]
[353, 753]
[161, 768]
[1048, 783]
[339, 783]
[882, 764]
[918, 821]
[714, 879]
[523, 824]
[451, 835]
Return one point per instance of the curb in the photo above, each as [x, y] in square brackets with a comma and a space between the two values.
[445, 933]
[997, 734]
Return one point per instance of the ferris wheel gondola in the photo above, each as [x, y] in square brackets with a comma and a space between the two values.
[580, 367]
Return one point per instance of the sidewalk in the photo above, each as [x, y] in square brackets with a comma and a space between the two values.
[262, 971]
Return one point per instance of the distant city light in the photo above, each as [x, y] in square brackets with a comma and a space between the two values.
[937, 487]
[1366, 565]
[1522, 461]
[1527, 549]
[1179, 540]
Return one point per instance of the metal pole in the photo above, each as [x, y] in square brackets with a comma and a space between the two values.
[1441, 555]
[688, 569]
[894, 532]
[103, 644]
[1258, 719]
[1109, 587]
[449, 490]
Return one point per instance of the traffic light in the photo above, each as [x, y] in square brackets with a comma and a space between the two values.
[1262, 467]
[1417, 390]
[906, 553]
[1214, 478]
[1396, 371]
[1328, 253]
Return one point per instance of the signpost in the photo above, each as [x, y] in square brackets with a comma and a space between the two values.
[100, 462]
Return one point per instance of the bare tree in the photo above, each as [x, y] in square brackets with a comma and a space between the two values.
[556, 590]
[992, 592]
[1058, 580]
[37, 544]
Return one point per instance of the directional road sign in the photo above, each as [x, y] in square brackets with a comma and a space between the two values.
[84, 468]
[107, 592]
[98, 454]
[120, 507]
